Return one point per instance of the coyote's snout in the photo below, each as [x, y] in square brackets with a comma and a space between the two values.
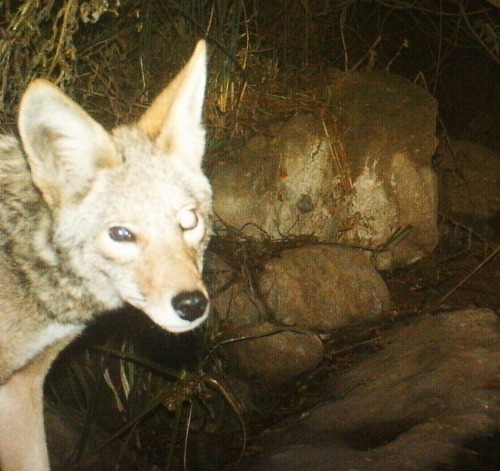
[90, 220]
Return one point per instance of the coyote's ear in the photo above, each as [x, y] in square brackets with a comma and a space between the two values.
[174, 118]
[64, 145]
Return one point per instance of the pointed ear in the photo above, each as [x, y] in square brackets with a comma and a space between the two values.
[64, 145]
[174, 118]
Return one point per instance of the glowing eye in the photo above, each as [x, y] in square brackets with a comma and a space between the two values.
[121, 234]
[188, 219]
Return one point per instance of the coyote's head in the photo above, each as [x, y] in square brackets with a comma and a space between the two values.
[130, 210]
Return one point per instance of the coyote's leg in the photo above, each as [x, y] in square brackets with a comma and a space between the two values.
[22, 433]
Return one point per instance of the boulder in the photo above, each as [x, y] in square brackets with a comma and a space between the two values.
[323, 287]
[272, 355]
[362, 177]
[428, 400]
[469, 188]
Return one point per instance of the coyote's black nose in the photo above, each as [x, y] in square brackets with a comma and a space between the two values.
[190, 305]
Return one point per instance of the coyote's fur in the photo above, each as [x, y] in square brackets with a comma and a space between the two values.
[90, 220]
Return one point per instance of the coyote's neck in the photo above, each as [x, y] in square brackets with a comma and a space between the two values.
[25, 235]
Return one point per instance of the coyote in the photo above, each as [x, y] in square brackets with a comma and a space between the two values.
[90, 220]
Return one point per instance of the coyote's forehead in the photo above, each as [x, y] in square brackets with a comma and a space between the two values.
[153, 176]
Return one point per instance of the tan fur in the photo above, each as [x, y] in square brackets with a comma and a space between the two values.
[90, 220]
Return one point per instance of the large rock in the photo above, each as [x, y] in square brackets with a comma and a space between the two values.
[469, 186]
[323, 287]
[365, 180]
[272, 355]
[428, 400]
[317, 287]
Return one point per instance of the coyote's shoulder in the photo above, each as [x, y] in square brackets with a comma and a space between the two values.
[26, 278]
[90, 220]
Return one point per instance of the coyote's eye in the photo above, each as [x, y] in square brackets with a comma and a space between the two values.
[121, 234]
[188, 219]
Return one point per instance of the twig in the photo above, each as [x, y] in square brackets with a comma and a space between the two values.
[486, 260]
